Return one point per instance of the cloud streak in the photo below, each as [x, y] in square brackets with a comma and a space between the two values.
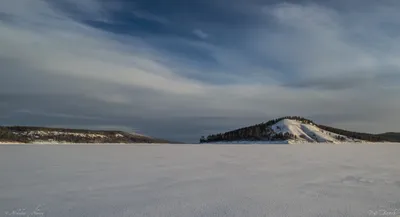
[200, 33]
[150, 17]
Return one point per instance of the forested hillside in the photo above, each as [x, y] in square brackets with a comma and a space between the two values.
[19, 134]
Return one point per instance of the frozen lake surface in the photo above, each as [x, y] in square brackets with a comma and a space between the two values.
[315, 180]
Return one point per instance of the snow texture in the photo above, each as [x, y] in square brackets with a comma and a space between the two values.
[180, 180]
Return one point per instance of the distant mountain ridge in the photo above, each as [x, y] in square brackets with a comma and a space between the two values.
[295, 129]
[23, 134]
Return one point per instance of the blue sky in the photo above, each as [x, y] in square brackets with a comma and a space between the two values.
[182, 69]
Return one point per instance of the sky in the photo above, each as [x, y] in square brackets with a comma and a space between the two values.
[182, 69]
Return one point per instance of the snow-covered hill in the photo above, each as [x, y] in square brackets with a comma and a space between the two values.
[290, 130]
[302, 132]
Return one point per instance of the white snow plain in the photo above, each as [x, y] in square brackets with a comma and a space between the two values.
[181, 180]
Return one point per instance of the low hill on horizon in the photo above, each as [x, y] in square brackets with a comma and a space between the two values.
[27, 134]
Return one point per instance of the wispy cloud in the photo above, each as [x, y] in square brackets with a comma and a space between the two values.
[141, 14]
[200, 33]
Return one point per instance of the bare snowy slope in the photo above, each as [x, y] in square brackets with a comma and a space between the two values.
[303, 132]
